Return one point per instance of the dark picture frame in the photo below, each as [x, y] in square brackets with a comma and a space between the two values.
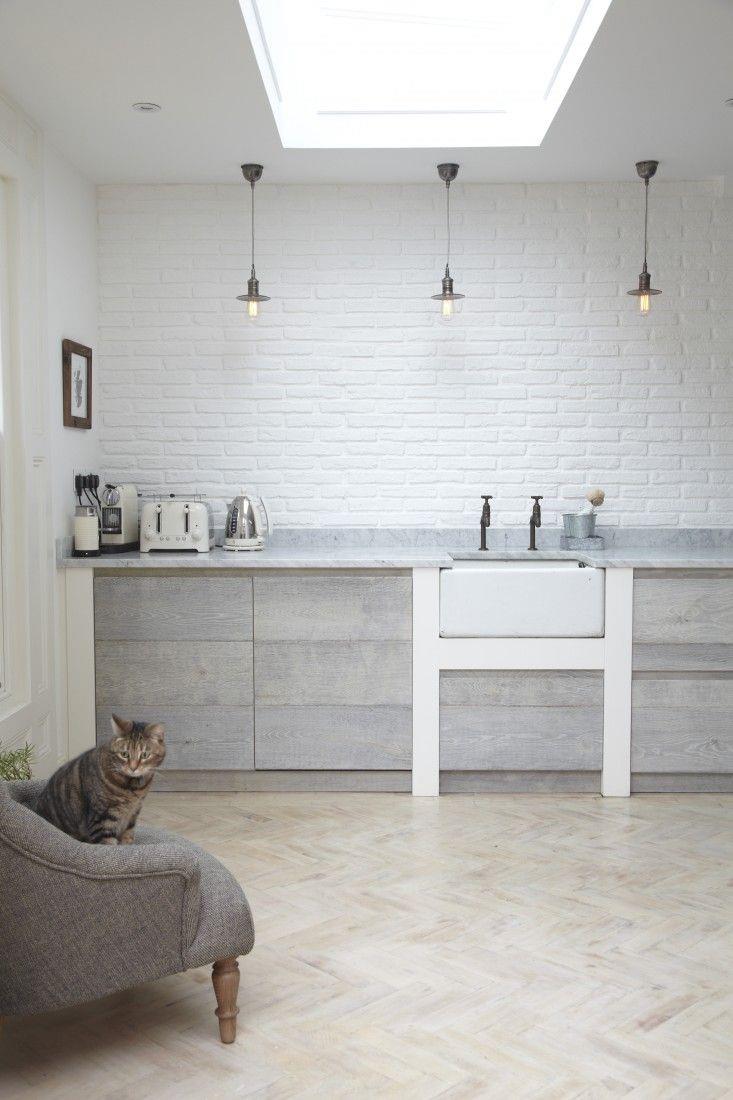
[76, 366]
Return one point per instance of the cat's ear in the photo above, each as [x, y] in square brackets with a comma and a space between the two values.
[155, 731]
[121, 726]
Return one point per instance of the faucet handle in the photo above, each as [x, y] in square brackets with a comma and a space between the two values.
[486, 496]
[537, 498]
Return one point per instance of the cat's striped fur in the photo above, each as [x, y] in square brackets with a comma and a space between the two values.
[97, 796]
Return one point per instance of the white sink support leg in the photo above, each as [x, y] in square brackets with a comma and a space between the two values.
[425, 682]
[616, 777]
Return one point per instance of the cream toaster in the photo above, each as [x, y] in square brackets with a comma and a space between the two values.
[175, 523]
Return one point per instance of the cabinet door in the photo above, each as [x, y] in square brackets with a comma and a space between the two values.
[521, 721]
[682, 723]
[178, 650]
[333, 670]
[682, 692]
[683, 620]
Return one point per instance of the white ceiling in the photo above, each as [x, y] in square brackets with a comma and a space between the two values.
[652, 85]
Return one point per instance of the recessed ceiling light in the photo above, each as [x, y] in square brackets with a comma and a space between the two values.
[146, 108]
[418, 73]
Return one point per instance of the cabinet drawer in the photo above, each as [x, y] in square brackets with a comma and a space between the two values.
[521, 721]
[171, 608]
[675, 608]
[197, 673]
[682, 724]
[334, 737]
[333, 606]
[211, 738]
[333, 673]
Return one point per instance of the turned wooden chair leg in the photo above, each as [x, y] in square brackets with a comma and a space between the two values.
[225, 977]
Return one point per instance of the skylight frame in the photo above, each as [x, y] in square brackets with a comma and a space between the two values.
[305, 120]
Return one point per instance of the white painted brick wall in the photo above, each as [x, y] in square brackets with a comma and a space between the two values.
[350, 402]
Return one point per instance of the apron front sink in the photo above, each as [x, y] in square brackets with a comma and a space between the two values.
[521, 599]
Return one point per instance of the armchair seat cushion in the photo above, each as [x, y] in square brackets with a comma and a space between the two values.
[79, 920]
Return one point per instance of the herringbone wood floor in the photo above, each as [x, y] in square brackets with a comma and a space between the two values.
[490, 946]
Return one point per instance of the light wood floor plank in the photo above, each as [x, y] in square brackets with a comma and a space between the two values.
[555, 947]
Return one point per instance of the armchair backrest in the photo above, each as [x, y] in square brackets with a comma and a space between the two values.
[22, 831]
[81, 920]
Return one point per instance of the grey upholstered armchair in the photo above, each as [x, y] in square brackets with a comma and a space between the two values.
[78, 921]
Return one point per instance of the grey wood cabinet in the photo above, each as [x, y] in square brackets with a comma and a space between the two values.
[521, 721]
[682, 691]
[683, 619]
[178, 649]
[308, 670]
[333, 670]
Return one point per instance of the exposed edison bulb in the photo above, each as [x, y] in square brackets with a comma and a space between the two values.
[252, 308]
[447, 309]
[644, 300]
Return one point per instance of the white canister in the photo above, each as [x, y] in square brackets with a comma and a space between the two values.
[86, 532]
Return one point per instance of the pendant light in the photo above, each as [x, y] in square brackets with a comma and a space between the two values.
[645, 169]
[447, 173]
[252, 173]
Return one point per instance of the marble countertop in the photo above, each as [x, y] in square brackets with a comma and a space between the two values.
[615, 558]
[372, 557]
[390, 557]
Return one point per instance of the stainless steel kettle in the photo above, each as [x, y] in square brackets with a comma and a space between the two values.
[247, 526]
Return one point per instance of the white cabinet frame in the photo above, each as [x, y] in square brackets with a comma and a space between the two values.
[431, 654]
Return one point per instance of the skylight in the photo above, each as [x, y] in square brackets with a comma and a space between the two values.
[344, 74]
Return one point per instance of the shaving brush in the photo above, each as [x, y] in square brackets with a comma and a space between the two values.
[594, 499]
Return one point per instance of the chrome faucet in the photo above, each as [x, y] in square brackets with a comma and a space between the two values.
[535, 521]
[485, 519]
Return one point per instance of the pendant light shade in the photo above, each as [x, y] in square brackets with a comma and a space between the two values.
[447, 296]
[252, 173]
[645, 170]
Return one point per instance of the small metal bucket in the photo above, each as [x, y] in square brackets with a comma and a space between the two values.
[579, 525]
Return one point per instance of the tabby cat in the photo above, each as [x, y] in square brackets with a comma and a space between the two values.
[97, 797]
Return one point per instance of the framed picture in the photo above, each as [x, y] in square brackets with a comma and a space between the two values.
[76, 362]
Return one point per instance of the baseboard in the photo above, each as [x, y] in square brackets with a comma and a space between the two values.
[520, 782]
[450, 782]
[681, 783]
[283, 781]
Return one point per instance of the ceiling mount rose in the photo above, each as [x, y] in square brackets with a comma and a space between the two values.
[646, 169]
[252, 173]
[448, 172]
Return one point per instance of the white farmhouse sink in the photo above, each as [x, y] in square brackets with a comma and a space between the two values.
[521, 599]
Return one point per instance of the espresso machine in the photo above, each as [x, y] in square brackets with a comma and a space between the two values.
[120, 529]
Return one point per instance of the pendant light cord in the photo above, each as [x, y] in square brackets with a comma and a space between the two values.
[646, 217]
[447, 226]
[253, 227]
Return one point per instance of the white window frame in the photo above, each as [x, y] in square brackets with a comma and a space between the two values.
[4, 443]
[13, 577]
[27, 699]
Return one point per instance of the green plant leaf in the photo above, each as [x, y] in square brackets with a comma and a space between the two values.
[16, 763]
